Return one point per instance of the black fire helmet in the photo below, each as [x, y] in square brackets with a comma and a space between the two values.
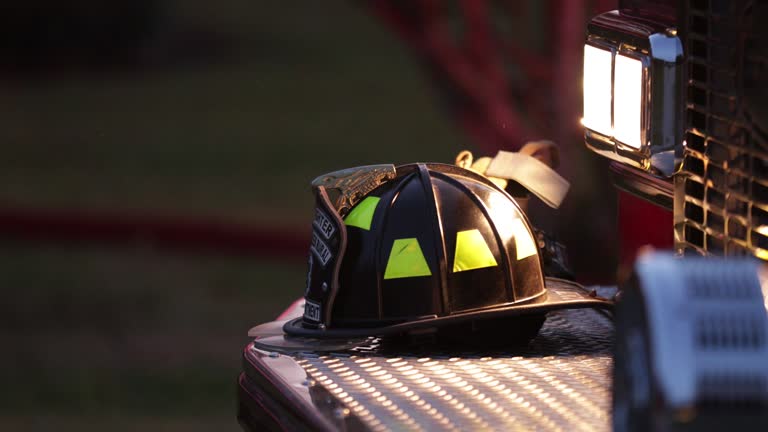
[421, 246]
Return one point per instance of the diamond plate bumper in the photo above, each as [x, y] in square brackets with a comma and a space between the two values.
[560, 381]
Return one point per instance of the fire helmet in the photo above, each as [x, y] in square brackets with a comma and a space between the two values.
[417, 247]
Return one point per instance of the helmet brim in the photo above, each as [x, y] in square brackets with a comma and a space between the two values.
[560, 294]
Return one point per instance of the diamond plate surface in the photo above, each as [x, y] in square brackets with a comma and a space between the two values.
[559, 382]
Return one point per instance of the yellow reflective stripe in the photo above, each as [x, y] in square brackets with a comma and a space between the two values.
[406, 260]
[362, 215]
[472, 252]
[523, 241]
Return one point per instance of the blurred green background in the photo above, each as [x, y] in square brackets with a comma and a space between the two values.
[224, 110]
[217, 110]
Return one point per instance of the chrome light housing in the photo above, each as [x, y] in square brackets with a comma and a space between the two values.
[633, 92]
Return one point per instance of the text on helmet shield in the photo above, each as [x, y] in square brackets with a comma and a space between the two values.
[320, 249]
[312, 311]
[323, 224]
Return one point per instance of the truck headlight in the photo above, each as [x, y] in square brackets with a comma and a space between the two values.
[597, 89]
[633, 100]
[628, 104]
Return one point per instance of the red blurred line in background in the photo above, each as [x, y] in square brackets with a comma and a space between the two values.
[472, 69]
[185, 234]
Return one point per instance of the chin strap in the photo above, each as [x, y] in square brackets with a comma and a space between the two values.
[531, 168]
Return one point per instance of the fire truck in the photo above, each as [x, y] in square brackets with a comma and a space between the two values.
[698, 128]
[674, 96]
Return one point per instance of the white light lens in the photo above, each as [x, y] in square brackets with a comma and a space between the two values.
[597, 90]
[628, 101]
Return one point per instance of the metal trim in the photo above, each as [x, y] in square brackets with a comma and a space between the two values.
[661, 53]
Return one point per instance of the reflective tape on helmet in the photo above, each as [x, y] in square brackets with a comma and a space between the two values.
[406, 260]
[362, 215]
[472, 252]
[523, 240]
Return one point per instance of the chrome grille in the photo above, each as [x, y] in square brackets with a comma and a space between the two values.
[724, 186]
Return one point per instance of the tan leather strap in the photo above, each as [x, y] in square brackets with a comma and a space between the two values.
[532, 167]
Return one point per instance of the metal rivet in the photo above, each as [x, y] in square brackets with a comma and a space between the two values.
[321, 326]
[324, 286]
